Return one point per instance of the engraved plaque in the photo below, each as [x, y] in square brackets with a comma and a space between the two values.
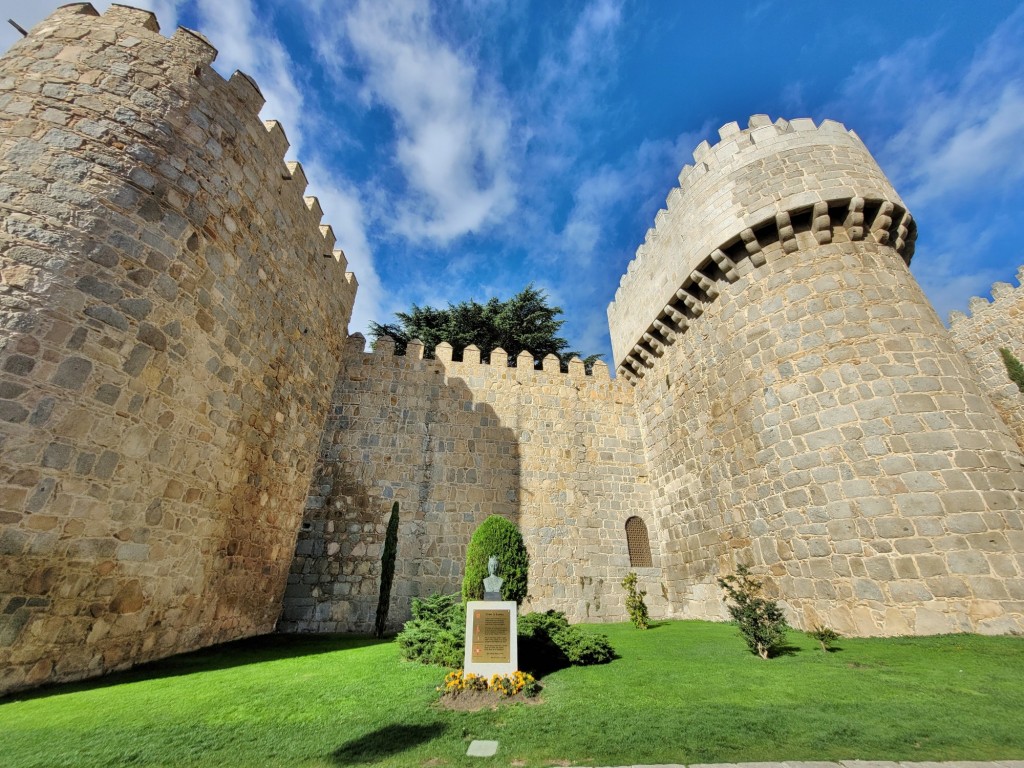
[492, 637]
[491, 641]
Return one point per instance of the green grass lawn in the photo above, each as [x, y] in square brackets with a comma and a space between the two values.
[683, 692]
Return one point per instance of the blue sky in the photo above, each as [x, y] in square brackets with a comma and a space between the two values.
[463, 149]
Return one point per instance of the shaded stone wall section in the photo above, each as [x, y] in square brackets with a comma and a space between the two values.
[454, 442]
[981, 332]
[172, 314]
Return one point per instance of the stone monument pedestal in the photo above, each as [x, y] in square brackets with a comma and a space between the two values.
[492, 646]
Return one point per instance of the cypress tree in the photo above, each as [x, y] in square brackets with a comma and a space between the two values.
[1014, 369]
[387, 572]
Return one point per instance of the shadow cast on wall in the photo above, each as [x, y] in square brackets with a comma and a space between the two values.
[398, 432]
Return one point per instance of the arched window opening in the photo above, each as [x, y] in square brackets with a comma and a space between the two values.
[639, 544]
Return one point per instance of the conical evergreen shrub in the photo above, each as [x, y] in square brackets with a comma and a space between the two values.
[501, 538]
[387, 572]
[1014, 369]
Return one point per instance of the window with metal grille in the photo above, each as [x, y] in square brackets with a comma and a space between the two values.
[639, 544]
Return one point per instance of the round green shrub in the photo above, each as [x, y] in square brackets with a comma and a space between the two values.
[501, 538]
[548, 642]
[436, 632]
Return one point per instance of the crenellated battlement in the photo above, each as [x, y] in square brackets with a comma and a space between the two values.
[1003, 295]
[761, 134]
[525, 370]
[981, 332]
[799, 396]
[190, 56]
[452, 443]
[766, 183]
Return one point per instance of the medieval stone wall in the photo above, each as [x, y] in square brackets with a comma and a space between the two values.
[805, 412]
[981, 333]
[453, 443]
[172, 318]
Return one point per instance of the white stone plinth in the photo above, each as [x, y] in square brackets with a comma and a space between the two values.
[491, 639]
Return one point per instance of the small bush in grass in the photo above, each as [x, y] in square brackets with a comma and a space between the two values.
[760, 620]
[436, 633]
[584, 648]
[824, 635]
[635, 604]
[542, 625]
[501, 538]
[546, 636]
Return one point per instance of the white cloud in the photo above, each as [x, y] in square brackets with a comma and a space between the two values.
[948, 139]
[344, 210]
[969, 154]
[591, 42]
[594, 31]
[948, 287]
[965, 259]
[166, 12]
[564, 117]
[569, 77]
[958, 131]
[593, 198]
[753, 14]
[631, 183]
[452, 125]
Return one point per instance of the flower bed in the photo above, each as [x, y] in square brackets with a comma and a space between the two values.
[470, 692]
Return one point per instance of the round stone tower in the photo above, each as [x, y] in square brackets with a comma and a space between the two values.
[172, 316]
[804, 409]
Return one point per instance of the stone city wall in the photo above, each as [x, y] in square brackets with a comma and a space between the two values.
[812, 418]
[980, 334]
[174, 318]
[557, 453]
[172, 321]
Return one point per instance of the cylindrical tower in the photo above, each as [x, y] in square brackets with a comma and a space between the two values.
[804, 410]
[171, 318]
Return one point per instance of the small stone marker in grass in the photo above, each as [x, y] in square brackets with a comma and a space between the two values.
[480, 748]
